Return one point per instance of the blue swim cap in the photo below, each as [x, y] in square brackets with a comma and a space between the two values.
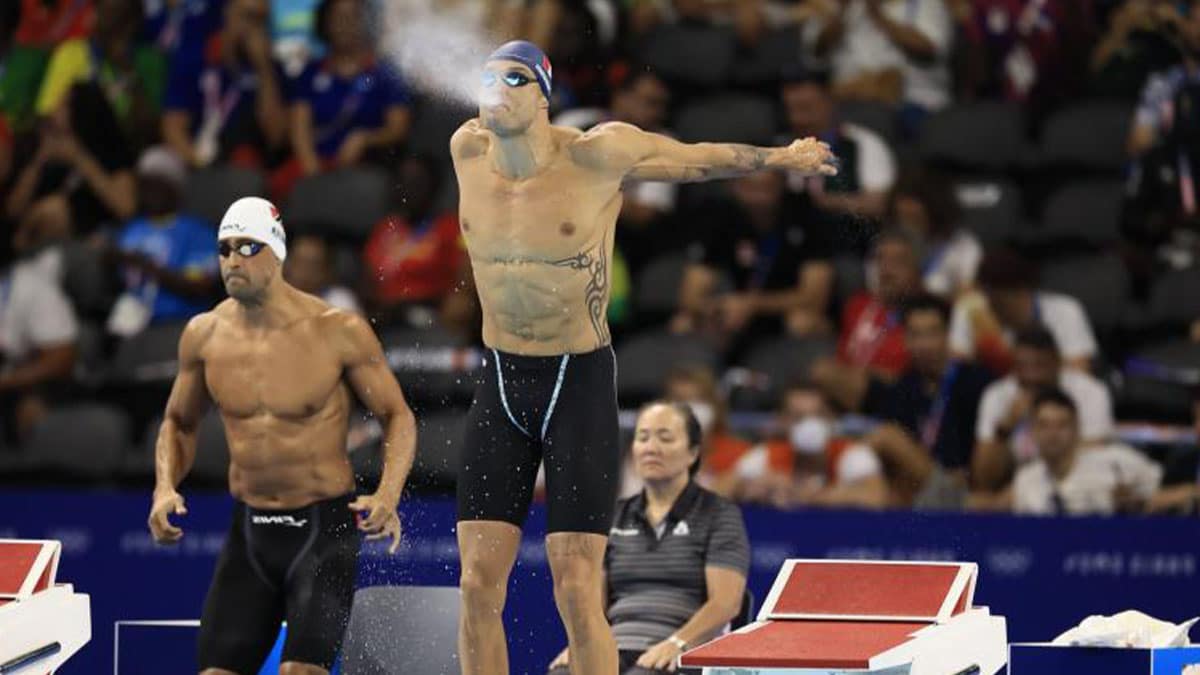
[530, 56]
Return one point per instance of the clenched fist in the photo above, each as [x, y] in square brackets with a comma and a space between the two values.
[808, 155]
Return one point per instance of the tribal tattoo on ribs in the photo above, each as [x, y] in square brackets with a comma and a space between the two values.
[595, 263]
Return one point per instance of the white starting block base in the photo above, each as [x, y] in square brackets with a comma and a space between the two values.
[35, 612]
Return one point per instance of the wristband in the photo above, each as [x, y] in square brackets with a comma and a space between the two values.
[679, 643]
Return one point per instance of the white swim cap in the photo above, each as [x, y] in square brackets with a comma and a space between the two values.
[256, 219]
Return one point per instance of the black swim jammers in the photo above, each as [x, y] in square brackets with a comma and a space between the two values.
[562, 409]
[297, 565]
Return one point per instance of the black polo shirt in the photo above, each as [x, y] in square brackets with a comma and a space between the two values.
[656, 584]
[911, 405]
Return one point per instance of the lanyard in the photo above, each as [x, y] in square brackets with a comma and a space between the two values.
[768, 251]
[935, 259]
[931, 426]
[1187, 186]
[350, 107]
[169, 35]
[217, 107]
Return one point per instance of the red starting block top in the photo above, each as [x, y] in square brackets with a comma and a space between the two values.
[26, 567]
[880, 591]
[807, 644]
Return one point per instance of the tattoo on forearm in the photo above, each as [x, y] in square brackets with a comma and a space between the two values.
[748, 157]
[740, 160]
[596, 294]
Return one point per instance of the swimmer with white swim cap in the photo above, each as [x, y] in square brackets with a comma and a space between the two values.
[538, 207]
[280, 365]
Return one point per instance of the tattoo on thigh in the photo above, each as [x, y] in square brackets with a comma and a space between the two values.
[595, 264]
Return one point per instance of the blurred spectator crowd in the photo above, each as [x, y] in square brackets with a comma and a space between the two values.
[995, 305]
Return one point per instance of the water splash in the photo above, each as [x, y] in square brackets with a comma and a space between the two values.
[440, 52]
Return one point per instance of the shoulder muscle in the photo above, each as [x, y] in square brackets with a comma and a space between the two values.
[470, 140]
[356, 340]
[195, 335]
[614, 146]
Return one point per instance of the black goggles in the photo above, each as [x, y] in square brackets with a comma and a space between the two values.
[246, 249]
[513, 78]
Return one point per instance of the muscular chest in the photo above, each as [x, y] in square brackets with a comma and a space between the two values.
[287, 373]
[553, 215]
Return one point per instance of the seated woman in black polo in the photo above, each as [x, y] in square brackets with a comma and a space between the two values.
[675, 570]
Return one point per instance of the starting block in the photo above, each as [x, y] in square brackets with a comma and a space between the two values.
[851, 616]
[42, 624]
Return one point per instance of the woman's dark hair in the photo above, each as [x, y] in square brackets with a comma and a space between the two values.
[695, 434]
[935, 192]
[95, 125]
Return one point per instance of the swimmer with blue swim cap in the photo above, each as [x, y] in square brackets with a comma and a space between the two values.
[516, 84]
[530, 56]
[538, 206]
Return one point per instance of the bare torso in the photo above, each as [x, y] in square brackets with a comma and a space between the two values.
[541, 249]
[284, 402]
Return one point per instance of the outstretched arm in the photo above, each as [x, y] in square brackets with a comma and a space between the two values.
[634, 153]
